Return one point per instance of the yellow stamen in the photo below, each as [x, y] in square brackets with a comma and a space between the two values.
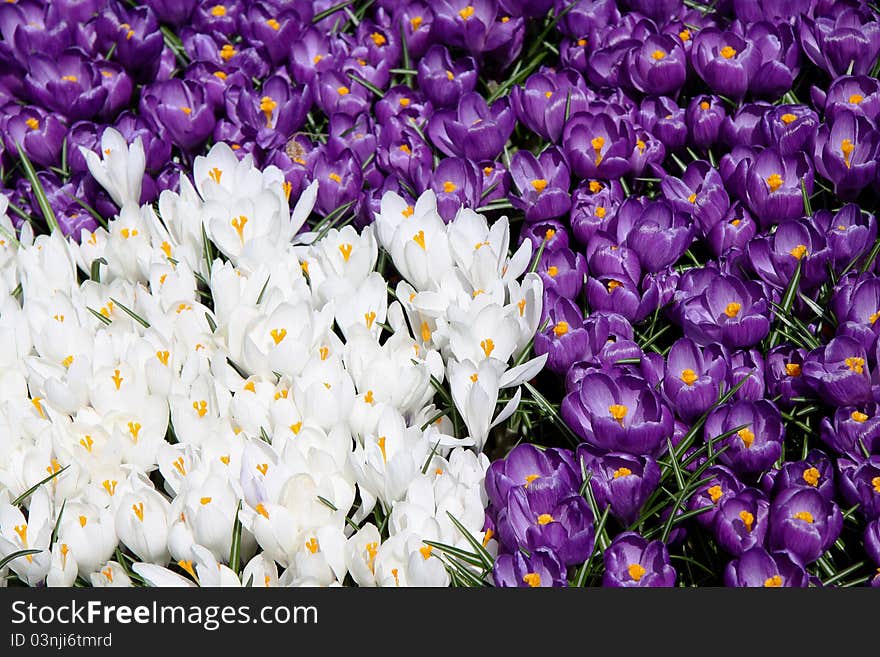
[415, 22]
[488, 536]
[378, 39]
[715, 493]
[704, 105]
[267, 106]
[488, 345]
[163, 357]
[622, 472]
[312, 545]
[278, 334]
[855, 99]
[532, 579]
[87, 442]
[856, 364]
[732, 309]
[636, 571]
[847, 147]
[69, 78]
[408, 211]
[792, 369]
[747, 436]
[595, 186]
[419, 238]
[215, 174]
[689, 376]
[343, 91]
[812, 476]
[787, 118]
[323, 352]
[345, 250]
[685, 35]
[618, 412]
[727, 52]
[806, 516]
[426, 332]
[67, 362]
[227, 52]
[692, 198]
[369, 318]
[179, 465]
[658, 55]
[774, 182]
[449, 186]
[466, 13]
[201, 407]
[138, 510]
[33, 124]
[239, 223]
[426, 552]
[275, 25]
[560, 329]
[598, 143]
[858, 416]
[381, 442]
[539, 184]
[134, 428]
[748, 519]
[601, 211]
[773, 582]
[545, 519]
[263, 468]
[875, 482]
[117, 380]
[261, 509]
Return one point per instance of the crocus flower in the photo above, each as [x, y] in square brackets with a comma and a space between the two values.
[699, 192]
[563, 271]
[178, 108]
[658, 66]
[853, 430]
[457, 182]
[336, 92]
[659, 236]
[775, 186]
[594, 204]
[741, 521]
[69, 84]
[861, 485]
[775, 257]
[743, 127]
[136, 40]
[846, 153]
[597, 146]
[537, 518]
[622, 414]
[473, 25]
[474, 130]
[173, 12]
[40, 134]
[692, 379]
[790, 128]
[849, 232]
[725, 61]
[855, 304]
[783, 373]
[778, 58]
[444, 81]
[623, 482]
[803, 522]
[859, 94]
[839, 372]
[815, 471]
[542, 183]
[758, 568]
[528, 466]
[724, 309]
[721, 484]
[541, 568]
[755, 434]
[631, 560]
[340, 177]
[704, 117]
[665, 120]
[547, 99]
[844, 44]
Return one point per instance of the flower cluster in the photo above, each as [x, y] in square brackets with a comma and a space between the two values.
[696, 180]
[225, 403]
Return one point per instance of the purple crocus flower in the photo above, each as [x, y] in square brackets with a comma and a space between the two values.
[621, 481]
[547, 99]
[340, 179]
[220, 17]
[756, 439]
[782, 373]
[444, 81]
[403, 152]
[775, 186]
[594, 204]
[723, 309]
[861, 485]
[692, 379]
[741, 521]
[845, 44]
[659, 236]
[474, 130]
[68, 84]
[853, 430]
[475, 26]
[585, 16]
[658, 66]
[622, 415]
[746, 364]
[565, 339]
[815, 471]
[40, 134]
[272, 28]
[699, 192]
[839, 372]
[859, 94]
[173, 12]
[179, 109]
[336, 92]
[778, 58]
[704, 118]
[790, 128]
[758, 568]
[541, 568]
[632, 560]
[725, 61]
[775, 257]
[733, 232]
[311, 55]
[665, 120]
[563, 271]
[744, 126]
[542, 183]
[847, 150]
[456, 182]
[538, 518]
[850, 232]
[855, 304]
[804, 523]
[526, 466]
[610, 338]
[551, 233]
[598, 146]
[721, 483]
[135, 38]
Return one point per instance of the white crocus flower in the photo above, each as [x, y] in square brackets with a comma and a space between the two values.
[110, 575]
[33, 533]
[142, 523]
[90, 534]
[119, 168]
[63, 566]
